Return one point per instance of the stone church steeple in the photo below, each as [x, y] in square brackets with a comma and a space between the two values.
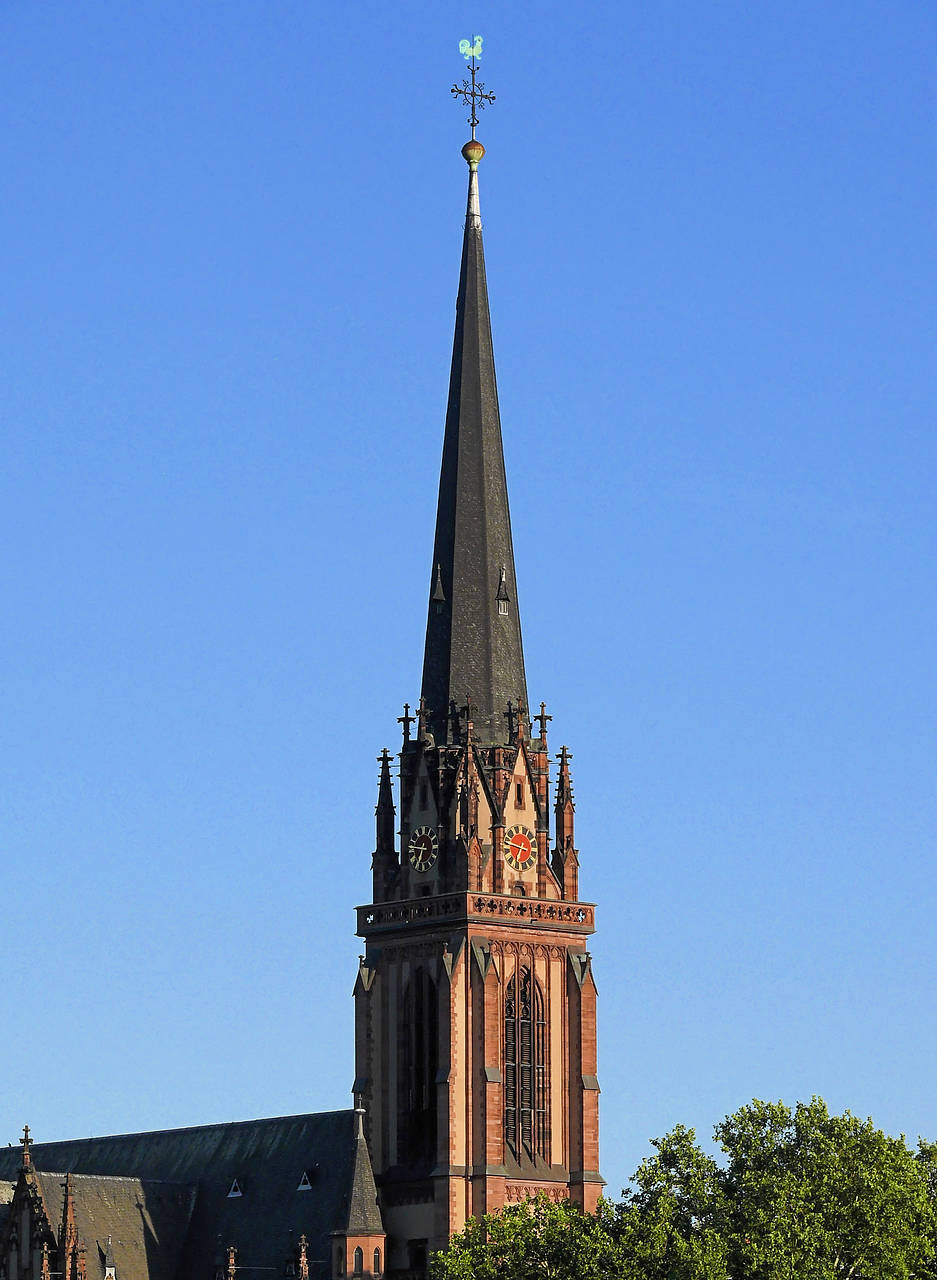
[474, 1003]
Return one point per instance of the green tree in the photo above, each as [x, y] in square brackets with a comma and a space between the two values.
[671, 1224]
[802, 1195]
[536, 1240]
[812, 1196]
[927, 1162]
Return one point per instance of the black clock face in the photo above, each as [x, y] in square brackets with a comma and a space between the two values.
[520, 847]
[424, 848]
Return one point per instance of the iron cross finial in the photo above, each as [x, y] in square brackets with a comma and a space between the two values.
[472, 92]
[27, 1143]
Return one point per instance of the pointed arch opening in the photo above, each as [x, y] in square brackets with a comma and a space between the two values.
[525, 1067]
[417, 1066]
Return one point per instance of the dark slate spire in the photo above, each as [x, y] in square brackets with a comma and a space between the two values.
[473, 634]
[364, 1216]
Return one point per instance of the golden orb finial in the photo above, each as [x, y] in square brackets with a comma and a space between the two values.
[473, 152]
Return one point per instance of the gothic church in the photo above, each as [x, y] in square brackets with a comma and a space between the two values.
[475, 1031]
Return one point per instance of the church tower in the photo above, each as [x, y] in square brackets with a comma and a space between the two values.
[475, 1004]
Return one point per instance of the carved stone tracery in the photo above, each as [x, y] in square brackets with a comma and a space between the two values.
[516, 1192]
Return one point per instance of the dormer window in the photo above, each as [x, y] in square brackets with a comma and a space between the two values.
[519, 794]
[110, 1267]
[439, 596]
[304, 1183]
[502, 596]
[235, 1191]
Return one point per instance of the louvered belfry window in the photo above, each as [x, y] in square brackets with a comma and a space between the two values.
[525, 1067]
[417, 1065]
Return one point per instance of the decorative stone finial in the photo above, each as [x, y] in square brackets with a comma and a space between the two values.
[543, 719]
[406, 720]
[360, 1114]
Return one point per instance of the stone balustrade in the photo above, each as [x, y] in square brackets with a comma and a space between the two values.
[536, 913]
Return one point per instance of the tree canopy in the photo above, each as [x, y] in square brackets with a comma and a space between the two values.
[800, 1195]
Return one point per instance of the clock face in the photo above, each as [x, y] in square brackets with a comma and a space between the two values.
[520, 847]
[424, 848]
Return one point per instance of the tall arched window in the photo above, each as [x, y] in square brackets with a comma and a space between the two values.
[377, 1262]
[417, 1065]
[359, 1261]
[525, 1067]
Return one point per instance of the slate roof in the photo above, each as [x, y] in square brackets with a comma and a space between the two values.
[472, 649]
[266, 1157]
[146, 1221]
[363, 1217]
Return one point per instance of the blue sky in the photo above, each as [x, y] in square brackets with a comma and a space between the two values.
[230, 237]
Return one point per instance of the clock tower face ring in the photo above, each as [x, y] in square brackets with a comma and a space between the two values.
[423, 848]
[520, 848]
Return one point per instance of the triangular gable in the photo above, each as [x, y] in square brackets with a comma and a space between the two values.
[521, 751]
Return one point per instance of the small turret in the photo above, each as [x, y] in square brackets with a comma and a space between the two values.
[358, 1246]
[385, 852]
[385, 811]
[565, 858]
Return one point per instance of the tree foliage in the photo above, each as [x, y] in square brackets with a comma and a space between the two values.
[800, 1195]
[816, 1197]
[671, 1224]
[537, 1240]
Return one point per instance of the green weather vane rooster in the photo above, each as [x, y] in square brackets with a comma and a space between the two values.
[472, 92]
[471, 48]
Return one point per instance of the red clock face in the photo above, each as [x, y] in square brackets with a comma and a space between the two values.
[424, 846]
[520, 847]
